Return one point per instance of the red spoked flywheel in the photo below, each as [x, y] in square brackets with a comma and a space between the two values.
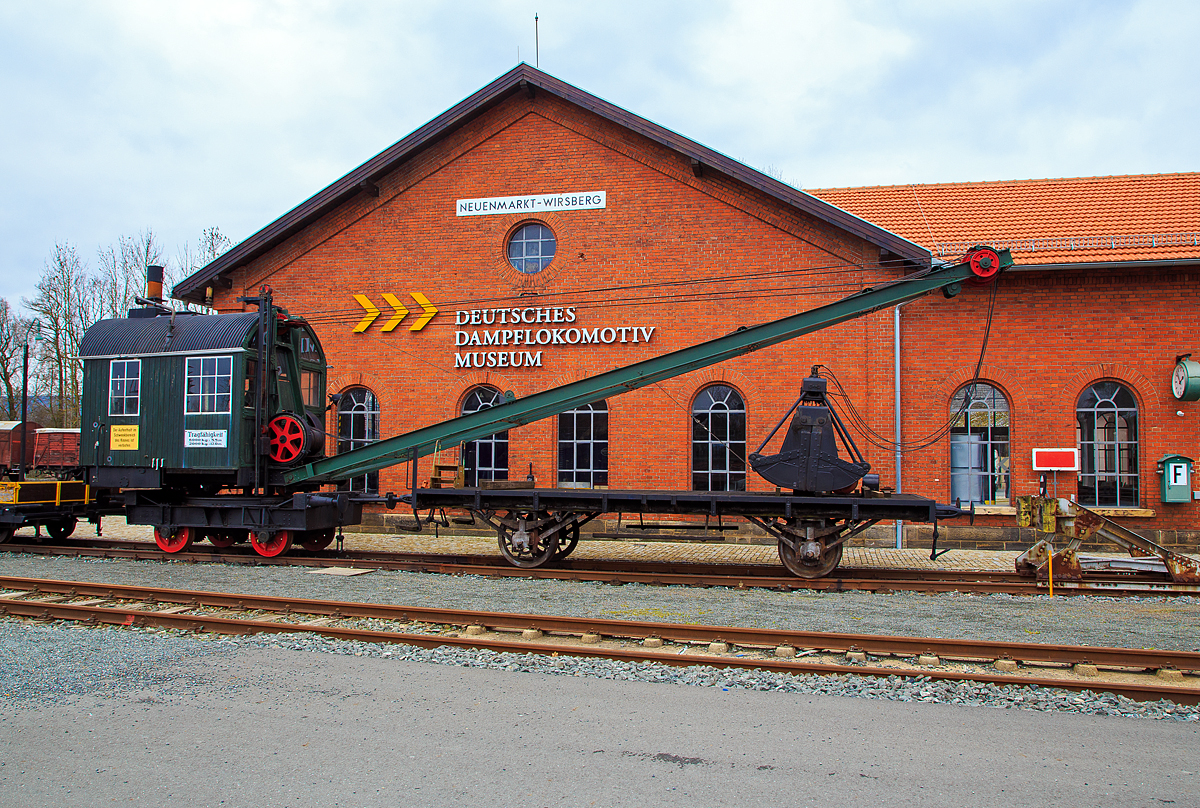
[289, 438]
[985, 263]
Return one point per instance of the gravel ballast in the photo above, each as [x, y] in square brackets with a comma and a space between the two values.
[58, 663]
[1166, 623]
[38, 660]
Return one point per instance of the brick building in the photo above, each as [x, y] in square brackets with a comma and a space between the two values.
[557, 235]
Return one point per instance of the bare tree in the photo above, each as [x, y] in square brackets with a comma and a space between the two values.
[13, 333]
[210, 246]
[68, 300]
[123, 271]
[213, 244]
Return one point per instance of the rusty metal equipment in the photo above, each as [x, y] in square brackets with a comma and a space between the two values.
[1077, 524]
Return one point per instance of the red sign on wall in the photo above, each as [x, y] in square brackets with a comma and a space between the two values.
[1056, 460]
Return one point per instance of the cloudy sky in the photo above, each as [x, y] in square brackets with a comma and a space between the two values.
[125, 115]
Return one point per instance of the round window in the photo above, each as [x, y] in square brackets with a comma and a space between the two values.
[531, 248]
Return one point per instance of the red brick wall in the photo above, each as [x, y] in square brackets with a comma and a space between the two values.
[1053, 334]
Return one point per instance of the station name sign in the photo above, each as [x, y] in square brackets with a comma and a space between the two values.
[537, 203]
[514, 338]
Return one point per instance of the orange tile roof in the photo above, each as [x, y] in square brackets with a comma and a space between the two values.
[1138, 217]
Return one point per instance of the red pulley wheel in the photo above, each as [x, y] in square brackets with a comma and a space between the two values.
[288, 438]
[985, 263]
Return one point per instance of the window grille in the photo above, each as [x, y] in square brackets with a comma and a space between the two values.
[209, 385]
[531, 248]
[358, 426]
[124, 383]
[486, 458]
[1106, 426]
[979, 446]
[719, 440]
[583, 447]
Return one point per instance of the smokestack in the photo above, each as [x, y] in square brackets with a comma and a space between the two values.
[154, 283]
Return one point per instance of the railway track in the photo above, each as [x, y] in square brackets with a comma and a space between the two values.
[1141, 674]
[661, 573]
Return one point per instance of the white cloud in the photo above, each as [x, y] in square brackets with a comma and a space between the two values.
[130, 114]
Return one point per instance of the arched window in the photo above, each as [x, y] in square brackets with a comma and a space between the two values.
[719, 440]
[486, 458]
[979, 443]
[1107, 433]
[358, 426]
[583, 446]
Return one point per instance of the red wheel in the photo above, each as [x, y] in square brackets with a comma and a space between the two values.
[287, 438]
[174, 541]
[269, 545]
[316, 540]
[985, 263]
[223, 539]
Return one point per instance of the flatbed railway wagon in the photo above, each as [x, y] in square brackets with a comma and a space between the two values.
[212, 427]
[56, 500]
[831, 498]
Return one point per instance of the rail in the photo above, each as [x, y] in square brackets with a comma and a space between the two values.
[779, 649]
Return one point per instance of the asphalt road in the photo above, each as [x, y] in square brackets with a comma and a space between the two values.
[270, 727]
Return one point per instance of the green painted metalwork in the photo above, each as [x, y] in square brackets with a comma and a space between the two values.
[425, 441]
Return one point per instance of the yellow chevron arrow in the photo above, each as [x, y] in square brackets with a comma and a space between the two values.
[400, 314]
[430, 311]
[372, 313]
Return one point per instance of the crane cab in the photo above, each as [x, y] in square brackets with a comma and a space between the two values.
[178, 399]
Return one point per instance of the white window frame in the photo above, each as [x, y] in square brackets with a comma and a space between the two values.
[520, 241]
[483, 397]
[1108, 437]
[983, 413]
[217, 376]
[724, 450]
[591, 473]
[358, 425]
[137, 399]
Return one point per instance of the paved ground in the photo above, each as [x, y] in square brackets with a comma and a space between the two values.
[273, 727]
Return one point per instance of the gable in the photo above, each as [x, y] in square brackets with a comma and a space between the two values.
[352, 194]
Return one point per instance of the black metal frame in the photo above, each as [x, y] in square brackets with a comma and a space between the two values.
[909, 507]
[298, 512]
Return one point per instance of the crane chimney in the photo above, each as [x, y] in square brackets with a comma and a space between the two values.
[154, 283]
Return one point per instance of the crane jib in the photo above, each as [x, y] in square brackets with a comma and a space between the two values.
[534, 407]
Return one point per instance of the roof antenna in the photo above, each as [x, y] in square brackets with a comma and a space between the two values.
[536, 48]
